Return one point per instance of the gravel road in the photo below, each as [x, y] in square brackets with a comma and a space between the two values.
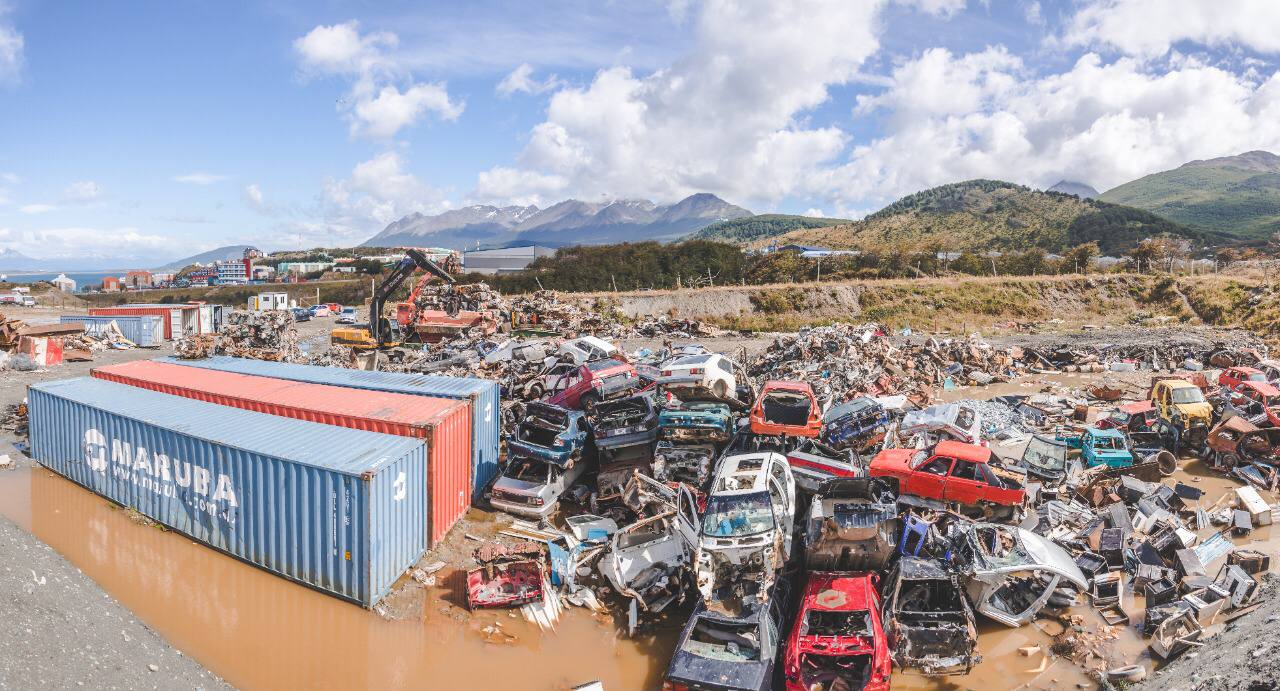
[60, 630]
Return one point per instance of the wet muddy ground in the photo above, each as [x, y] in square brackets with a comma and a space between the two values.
[258, 631]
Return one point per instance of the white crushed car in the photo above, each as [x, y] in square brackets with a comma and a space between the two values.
[712, 374]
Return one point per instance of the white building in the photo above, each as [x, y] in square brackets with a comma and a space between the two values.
[64, 284]
[234, 271]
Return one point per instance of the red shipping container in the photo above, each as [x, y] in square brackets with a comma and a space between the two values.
[164, 312]
[445, 424]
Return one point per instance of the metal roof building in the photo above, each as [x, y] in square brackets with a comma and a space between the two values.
[504, 260]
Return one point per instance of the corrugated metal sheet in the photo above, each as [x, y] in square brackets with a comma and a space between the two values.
[486, 413]
[171, 315]
[337, 509]
[146, 330]
[444, 423]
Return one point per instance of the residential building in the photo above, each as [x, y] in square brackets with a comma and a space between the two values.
[233, 271]
[303, 268]
[161, 278]
[66, 285]
[137, 279]
[503, 261]
[110, 284]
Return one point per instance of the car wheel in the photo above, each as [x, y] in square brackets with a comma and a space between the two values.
[534, 392]
[721, 389]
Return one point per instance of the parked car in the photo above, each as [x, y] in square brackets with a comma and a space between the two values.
[1106, 447]
[580, 387]
[723, 652]
[747, 527]
[710, 374]
[1013, 572]
[1233, 377]
[853, 524]
[1259, 401]
[857, 424]
[837, 639]
[301, 314]
[927, 619]
[549, 433]
[347, 316]
[319, 310]
[788, 409]
[953, 472]
[696, 422]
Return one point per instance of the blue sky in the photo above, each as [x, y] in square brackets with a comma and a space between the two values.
[144, 131]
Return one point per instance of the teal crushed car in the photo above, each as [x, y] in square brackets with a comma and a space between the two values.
[696, 422]
[1105, 447]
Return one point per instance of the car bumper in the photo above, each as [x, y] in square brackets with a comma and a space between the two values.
[624, 440]
[521, 509]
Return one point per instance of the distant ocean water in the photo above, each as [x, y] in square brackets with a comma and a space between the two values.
[81, 279]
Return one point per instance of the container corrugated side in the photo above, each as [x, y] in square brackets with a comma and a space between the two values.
[146, 330]
[444, 423]
[486, 412]
[337, 509]
[165, 313]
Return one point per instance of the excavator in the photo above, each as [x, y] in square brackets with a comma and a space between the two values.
[382, 333]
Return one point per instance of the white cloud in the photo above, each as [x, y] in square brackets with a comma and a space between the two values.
[813, 212]
[939, 8]
[1034, 13]
[11, 178]
[728, 117]
[81, 243]
[378, 192]
[952, 118]
[33, 209]
[390, 111]
[11, 50]
[254, 199]
[1149, 28]
[383, 97]
[82, 192]
[521, 80]
[199, 178]
[520, 187]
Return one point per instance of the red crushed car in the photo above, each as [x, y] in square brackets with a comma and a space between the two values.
[837, 636]
[1233, 377]
[581, 387]
[951, 472]
[1257, 397]
[787, 409]
[1130, 417]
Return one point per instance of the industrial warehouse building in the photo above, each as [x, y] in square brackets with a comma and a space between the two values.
[503, 261]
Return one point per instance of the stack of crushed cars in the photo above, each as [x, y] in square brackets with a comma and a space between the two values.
[830, 525]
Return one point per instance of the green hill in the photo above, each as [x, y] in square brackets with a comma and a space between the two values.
[1236, 195]
[752, 229]
[983, 215]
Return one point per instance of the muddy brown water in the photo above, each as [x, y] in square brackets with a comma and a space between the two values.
[259, 631]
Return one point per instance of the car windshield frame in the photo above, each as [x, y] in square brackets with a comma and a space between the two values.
[739, 515]
[601, 365]
[1058, 460]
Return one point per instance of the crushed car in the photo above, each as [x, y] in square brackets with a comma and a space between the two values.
[954, 420]
[837, 639]
[746, 529]
[549, 433]
[648, 561]
[708, 374]
[858, 424]
[730, 653]
[957, 473]
[1047, 459]
[1237, 442]
[1012, 573]
[624, 422]
[695, 422]
[507, 575]
[690, 464]
[852, 525]
[579, 387]
[927, 619]
[786, 409]
[1181, 405]
[1233, 377]
[532, 488]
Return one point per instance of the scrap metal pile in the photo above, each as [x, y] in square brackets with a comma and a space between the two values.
[674, 495]
[259, 335]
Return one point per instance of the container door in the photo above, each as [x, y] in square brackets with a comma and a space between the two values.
[175, 324]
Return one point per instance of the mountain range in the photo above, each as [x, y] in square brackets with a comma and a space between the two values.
[12, 260]
[1236, 195]
[571, 222]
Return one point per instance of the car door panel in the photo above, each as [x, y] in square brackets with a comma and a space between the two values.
[929, 485]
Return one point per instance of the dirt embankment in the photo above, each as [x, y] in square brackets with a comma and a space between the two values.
[945, 304]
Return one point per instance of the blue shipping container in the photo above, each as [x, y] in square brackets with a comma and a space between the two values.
[486, 414]
[146, 330]
[338, 509]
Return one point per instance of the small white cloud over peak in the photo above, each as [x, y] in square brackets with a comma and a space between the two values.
[12, 51]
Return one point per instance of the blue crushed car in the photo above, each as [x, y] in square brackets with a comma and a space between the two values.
[855, 424]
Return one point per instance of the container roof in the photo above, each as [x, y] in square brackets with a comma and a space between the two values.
[342, 450]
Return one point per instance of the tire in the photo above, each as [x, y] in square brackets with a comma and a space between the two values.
[720, 389]
[534, 392]
[1128, 673]
[588, 402]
